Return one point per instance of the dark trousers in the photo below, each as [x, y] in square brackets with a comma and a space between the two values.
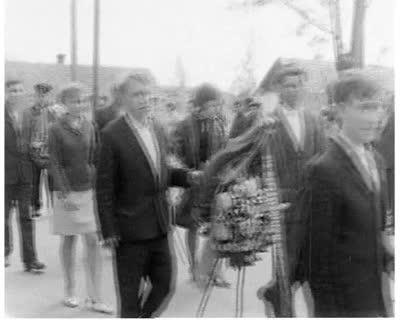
[356, 300]
[148, 258]
[36, 187]
[22, 194]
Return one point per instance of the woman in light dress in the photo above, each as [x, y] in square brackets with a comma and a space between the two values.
[72, 153]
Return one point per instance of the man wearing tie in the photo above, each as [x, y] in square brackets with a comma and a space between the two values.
[345, 197]
[131, 184]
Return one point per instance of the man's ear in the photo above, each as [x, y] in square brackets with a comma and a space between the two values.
[339, 110]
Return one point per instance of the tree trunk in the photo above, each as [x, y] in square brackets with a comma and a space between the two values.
[357, 40]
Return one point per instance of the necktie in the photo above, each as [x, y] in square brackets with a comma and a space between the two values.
[372, 169]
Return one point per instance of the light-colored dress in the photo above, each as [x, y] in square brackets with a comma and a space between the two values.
[71, 150]
[81, 221]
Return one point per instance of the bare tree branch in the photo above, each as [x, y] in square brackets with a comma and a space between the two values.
[291, 5]
[303, 13]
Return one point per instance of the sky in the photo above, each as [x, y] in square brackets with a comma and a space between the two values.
[210, 37]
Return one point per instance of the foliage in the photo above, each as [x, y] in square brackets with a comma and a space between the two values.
[314, 16]
[245, 82]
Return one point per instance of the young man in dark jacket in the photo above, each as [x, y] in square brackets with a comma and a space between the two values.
[132, 180]
[345, 197]
[37, 120]
[18, 177]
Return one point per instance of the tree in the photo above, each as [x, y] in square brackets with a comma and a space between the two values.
[314, 17]
[245, 82]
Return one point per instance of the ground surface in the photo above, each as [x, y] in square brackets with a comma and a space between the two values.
[39, 296]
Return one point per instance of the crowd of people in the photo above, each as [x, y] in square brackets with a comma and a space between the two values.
[108, 174]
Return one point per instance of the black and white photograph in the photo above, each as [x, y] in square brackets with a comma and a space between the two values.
[199, 158]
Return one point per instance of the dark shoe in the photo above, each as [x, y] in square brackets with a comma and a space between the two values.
[145, 315]
[35, 267]
[36, 215]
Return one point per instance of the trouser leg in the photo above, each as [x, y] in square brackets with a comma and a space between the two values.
[26, 225]
[36, 203]
[160, 274]
[131, 260]
[8, 198]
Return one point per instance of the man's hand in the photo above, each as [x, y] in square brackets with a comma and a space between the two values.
[111, 242]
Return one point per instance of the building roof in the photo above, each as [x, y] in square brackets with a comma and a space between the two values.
[58, 75]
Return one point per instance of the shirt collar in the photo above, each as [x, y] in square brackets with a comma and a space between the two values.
[349, 146]
[136, 123]
[290, 112]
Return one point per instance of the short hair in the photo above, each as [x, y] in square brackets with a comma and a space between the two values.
[205, 93]
[12, 82]
[42, 88]
[68, 90]
[354, 85]
[139, 77]
[288, 71]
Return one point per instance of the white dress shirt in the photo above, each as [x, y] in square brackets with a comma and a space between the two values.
[293, 117]
[148, 138]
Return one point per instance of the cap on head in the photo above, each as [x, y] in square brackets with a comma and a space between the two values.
[42, 88]
[205, 93]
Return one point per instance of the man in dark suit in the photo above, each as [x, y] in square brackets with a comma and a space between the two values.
[344, 195]
[37, 120]
[131, 184]
[18, 177]
[301, 138]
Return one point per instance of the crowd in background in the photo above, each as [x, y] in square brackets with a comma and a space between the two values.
[107, 172]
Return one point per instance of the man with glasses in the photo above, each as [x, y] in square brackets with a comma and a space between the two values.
[344, 195]
[18, 176]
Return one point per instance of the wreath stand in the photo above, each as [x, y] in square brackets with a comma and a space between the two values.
[241, 275]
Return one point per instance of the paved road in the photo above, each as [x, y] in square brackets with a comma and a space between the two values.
[39, 296]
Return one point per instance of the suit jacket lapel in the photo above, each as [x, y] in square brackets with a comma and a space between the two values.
[135, 137]
[355, 166]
